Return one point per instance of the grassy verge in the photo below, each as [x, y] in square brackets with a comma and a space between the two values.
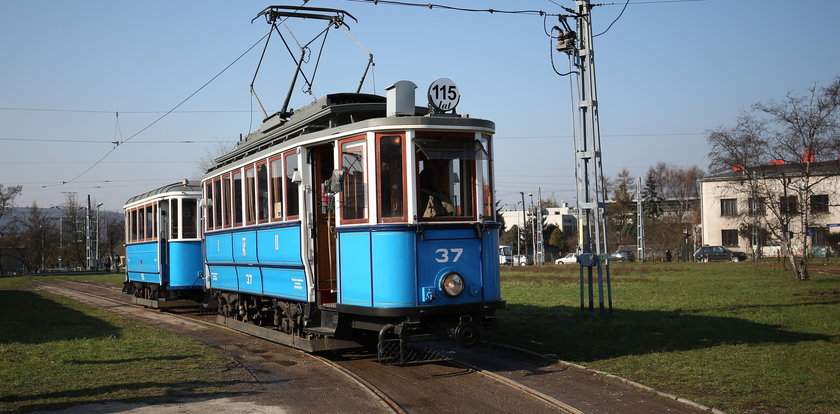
[55, 352]
[735, 336]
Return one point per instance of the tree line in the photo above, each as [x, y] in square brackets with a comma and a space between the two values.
[36, 239]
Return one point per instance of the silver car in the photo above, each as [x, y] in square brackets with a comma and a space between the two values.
[571, 258]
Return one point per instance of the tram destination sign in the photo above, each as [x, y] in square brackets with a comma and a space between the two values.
[444, 95]
[833, 225]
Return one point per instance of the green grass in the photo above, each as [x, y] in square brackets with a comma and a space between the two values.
[739, 337]
[115, 279]
[55, 352]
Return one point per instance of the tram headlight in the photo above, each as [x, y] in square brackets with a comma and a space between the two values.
[452, 284]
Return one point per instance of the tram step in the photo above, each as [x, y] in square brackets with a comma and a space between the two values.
[322, 330]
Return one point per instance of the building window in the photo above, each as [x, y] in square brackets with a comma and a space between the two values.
[756, 206]
[729, 237]
[819, 203]
[819, 236]
[728, 207]
[788, 204]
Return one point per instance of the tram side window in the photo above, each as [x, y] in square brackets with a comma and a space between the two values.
[175, 218]
[250, 196]
[446, 176]
[262, 192]
[390, 163]
[137, 224]
[292, 207]
[218, 200]
[236, 208]
[227, 217]
[189, 206]
[208, 202]
[276, 176]
[354, 194]
[129, 226]
[486, 186]
[141, 223]
[150, 222]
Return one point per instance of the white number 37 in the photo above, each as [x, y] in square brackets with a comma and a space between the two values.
[443, 255]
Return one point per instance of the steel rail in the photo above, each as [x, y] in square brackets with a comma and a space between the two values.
[377, 393]
[383, 398]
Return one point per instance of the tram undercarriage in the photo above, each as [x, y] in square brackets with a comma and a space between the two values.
[321, 328]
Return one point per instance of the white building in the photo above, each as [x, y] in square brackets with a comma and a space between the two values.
[738, 207]
[564, 217]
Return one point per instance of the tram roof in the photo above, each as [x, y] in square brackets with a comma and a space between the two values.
[330, 111]
[179, 187]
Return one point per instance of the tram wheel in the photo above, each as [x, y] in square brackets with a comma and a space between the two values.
[467, 334]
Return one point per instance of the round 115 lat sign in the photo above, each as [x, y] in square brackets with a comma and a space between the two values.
[444, 95]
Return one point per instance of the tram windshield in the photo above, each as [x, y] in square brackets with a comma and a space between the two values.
[449, 167]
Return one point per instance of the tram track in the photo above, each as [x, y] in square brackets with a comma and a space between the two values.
[421, 388]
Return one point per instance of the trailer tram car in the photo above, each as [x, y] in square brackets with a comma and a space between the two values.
[164, 262]
[357, 217]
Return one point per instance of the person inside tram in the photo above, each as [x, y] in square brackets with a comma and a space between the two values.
[432, 201]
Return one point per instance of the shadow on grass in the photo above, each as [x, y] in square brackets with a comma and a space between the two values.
[93, 395]
[580, 336]
[31, 319]
[130, 360]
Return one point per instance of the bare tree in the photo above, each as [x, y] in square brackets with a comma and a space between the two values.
[208, 160]
[780, 154]
[8, 237]
[33, 246]
[73, 228]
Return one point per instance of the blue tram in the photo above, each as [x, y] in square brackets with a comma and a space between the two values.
[358, 216]
[164, 265]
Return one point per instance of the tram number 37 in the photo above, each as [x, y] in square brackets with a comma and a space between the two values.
[448, 255]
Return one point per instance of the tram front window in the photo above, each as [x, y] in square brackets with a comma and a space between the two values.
[446, 177]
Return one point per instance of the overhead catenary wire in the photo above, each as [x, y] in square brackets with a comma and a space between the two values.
[90, 141]
[163, 115]
[97, 111]
[455, 8]
[616, 19]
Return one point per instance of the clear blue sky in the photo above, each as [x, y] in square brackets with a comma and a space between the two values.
[667, 74]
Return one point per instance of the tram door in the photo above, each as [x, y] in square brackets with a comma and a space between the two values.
[325, 254]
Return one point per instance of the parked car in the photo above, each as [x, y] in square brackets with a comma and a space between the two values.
[571, 258]
[622, 256]
[522, 260]
[718, 254]
[738, 256]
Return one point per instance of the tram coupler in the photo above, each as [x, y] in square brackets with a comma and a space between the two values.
[397, 345]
